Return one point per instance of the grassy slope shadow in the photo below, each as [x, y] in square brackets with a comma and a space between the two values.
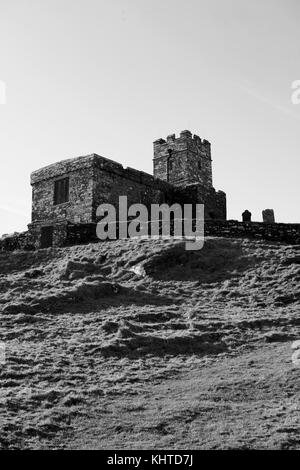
[216, 262]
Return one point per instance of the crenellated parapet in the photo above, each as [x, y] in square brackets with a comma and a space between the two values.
[183, 160]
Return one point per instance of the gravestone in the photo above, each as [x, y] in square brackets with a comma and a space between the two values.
[246, 216]
[268, 216]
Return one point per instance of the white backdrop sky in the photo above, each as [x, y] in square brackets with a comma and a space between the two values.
[110, 77]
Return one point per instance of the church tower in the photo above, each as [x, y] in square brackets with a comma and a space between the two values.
[183, 161]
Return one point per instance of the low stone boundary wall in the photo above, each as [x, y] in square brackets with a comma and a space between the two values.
[284, 233]
[86, 233]
[21, 241]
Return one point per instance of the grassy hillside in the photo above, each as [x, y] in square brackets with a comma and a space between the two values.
[141, 344]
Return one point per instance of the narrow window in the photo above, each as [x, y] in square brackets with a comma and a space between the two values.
[61, 191]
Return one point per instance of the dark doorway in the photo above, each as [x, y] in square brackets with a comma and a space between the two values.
[46, 237]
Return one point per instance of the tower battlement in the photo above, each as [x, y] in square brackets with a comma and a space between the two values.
[184, 136]
[183, 160]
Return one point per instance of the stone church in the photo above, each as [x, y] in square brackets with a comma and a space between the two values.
[68, 192]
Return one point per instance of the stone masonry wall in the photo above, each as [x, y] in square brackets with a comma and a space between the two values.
[281, 233]
[183, 160]
[214, 201]
[86, 233]
[275, 232]
[111, 180]
[21, 241]
[79, 206]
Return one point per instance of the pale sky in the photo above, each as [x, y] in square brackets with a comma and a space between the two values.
[112, 76]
